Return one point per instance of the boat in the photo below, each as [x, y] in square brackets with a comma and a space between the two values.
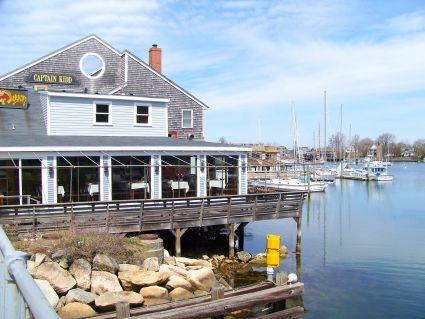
[324, 174]
[292, 184]
[377, 171]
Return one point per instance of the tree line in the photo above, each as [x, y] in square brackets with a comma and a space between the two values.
[386, 141]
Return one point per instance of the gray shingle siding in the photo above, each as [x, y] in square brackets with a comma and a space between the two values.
[141, 82]
[68, 62]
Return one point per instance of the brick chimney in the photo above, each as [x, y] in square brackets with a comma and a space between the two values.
[155, 58]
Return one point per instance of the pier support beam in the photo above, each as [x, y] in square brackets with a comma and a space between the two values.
[298, 246]
[231, 240]
[178, 233]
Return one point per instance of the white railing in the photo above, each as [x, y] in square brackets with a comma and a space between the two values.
[18, 290]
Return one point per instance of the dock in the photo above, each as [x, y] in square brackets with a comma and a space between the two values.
[173, 214]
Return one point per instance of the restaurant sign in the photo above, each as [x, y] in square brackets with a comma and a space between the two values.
[52, 78]
[13, 98]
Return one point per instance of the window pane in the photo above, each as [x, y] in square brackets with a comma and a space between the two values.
[142, 119]
[143, 110]
[102, 118]
[187, 118]
[102, 108]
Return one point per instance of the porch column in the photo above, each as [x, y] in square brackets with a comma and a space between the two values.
[202, 175]
[48, 180]
[105, 178]
[156, 177]
[243, 174]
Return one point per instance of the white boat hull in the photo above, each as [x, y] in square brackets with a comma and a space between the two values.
[292, 185]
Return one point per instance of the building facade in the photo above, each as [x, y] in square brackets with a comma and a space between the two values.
[88, 123]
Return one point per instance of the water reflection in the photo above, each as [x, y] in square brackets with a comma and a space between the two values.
[358, 237]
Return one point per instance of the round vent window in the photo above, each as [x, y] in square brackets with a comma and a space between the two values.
[92, 65]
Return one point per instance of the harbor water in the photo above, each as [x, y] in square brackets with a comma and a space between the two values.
[363, 247]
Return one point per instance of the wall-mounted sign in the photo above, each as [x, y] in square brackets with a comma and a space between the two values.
[52, 78]
[16, 99]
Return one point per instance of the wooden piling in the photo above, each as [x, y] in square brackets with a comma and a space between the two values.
[217, 292]
[123, 309]
[178, 243]
[232, 240]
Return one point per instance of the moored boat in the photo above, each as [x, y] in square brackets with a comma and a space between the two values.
[293, 184]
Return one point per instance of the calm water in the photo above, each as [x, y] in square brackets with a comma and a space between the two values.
[363, 247]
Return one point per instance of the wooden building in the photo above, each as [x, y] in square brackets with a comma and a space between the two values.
[88, 122]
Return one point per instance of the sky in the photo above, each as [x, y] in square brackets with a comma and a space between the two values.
[254, 63]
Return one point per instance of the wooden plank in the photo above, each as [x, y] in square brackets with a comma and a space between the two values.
[227, 305]
[291, 313]
[193, 301]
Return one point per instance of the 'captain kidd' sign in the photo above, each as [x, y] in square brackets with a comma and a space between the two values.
[11, 98]
[52, 78]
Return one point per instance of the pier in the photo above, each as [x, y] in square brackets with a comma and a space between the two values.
[176, 215]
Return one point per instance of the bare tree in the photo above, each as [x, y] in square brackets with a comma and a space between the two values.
[337, 141]
[385, 140]
[355, 140]
[222, 140]
[419, 147]
[364, 146]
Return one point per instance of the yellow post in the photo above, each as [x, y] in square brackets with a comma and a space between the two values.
[272, 254]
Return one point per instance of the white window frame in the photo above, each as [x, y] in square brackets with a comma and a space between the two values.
[109, 103]
[149, 106]
[191, 118]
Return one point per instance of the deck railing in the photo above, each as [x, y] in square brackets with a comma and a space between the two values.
[18, 290]
[150, 214]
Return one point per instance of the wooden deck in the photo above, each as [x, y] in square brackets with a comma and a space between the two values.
[148, 215]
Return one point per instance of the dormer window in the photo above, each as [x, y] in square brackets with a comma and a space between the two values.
[142, 115]
[102, 113]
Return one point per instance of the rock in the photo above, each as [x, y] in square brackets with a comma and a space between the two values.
[128, 267]
[103, 262]
[173, 269]
[76, 310]
[259, 260]
[194, 267]
[243, 256]
[64, 263]
[166, 253]
[58, 254]
[193, 262]
[81, 270]
[60, 279]
[61, 303]
[170, 260]
[155, 301]
[202, 279]
[199, 293]
[107, 300]
[142, 278]
[151, 264]
[39, 258]
[47, 290]
[79, 295]
[180, 294]
[225, 284]
[154, 292]
[103, 281]
[205, 257]
[176, 281]
[283, 250]
[30, 266]
[243, 269]
[181, 265]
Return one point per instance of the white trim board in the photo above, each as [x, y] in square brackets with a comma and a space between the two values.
[107, 97]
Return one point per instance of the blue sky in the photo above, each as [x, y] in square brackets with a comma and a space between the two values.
[250, 61]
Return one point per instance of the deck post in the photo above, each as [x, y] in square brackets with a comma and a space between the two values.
[232, 240]
[178, 233]
[298, 246]
[123, 309]
[178, 243]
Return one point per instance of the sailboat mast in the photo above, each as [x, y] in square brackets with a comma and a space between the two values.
[326, 154]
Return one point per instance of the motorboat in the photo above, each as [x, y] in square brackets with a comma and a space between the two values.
[377, 171]
[324, 174]
[292, 184]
